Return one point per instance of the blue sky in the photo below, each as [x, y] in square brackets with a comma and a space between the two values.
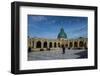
[42, 26]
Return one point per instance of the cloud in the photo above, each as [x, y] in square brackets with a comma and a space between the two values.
[78, 32]
[38, 18]
[78, 29]
[82, 29]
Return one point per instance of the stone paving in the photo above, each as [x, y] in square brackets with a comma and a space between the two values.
[57, 54]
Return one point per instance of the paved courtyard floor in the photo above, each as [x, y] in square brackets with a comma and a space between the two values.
[57, 54]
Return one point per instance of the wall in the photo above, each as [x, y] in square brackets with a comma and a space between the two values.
[5, 41]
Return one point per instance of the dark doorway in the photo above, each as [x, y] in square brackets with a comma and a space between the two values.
[66, 45]
[70, 45]
[75, 44]
[50, 44]
[55, 44]
[45, 45]
[81, 44]
[38, 44]
[58, 44]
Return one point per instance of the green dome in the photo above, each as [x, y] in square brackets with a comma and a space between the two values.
[62, 34]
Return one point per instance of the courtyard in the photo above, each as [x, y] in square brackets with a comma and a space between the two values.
[57, 54]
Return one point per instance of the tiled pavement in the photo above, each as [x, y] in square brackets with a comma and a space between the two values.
[54, 54]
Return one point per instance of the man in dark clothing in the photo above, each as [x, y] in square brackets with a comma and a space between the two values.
[63, 49]
[29, 49]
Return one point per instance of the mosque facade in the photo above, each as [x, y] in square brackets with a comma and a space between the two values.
[42, 44]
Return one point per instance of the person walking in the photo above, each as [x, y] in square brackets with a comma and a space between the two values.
[63, 49]
[29, 49]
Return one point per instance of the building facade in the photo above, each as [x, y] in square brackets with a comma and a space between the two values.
[41, 44]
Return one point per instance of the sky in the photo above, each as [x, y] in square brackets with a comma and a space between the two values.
[42, 26]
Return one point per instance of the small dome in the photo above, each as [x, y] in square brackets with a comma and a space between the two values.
[62, 34]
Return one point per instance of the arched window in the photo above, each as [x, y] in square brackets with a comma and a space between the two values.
[38, 44]
[81, 44]
[55, 44]
[75, 44]
[45, 45]
[70, 45]
[50, 45]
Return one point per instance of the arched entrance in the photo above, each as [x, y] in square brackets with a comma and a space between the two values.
[81, 44]
[38, 44]
[75, 44]
[50, 45]
[70, 44]
[85, 45]
[55, 44]
[45, 45]
[66, 45]
[58, 44]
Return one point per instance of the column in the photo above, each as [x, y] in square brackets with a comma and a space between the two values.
[34, 44]
[68, 43]
[52, 44]
[47, 44]
[78, 44]
[72, 44]
[56, 44]
[31, 43]
[42, 44]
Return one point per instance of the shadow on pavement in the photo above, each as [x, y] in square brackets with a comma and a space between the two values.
[82, 54]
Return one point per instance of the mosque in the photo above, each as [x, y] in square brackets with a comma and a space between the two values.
[42, 44]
